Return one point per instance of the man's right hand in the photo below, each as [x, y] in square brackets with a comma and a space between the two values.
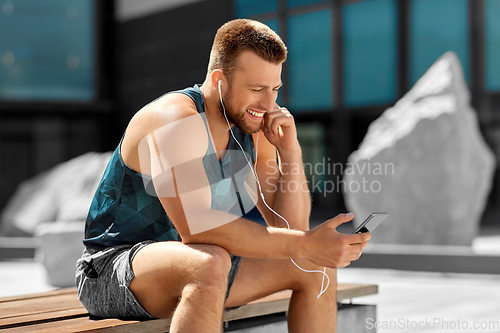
[325, 246]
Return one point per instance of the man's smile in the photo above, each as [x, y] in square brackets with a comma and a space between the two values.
[256, 114]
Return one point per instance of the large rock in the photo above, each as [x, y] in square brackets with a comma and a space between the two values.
[53, 207]
[60, 247]
[63, 193]
[425, 162]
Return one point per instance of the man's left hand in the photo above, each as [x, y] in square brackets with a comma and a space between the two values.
[279, 128]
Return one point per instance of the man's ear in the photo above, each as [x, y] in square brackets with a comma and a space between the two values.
[215, 77]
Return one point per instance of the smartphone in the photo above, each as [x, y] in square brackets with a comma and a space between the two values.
[371, 222]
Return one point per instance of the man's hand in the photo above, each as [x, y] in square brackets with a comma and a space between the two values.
[327, 247]
[279, 128]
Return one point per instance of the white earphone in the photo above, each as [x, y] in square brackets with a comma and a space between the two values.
[254, 172]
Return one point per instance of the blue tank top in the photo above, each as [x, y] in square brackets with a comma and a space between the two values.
[126, 210]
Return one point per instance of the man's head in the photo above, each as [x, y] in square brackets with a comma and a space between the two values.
[241, 35]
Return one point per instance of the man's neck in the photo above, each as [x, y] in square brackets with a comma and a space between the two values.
[216, 121]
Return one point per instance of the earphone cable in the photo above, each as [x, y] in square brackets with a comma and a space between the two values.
[254, 172]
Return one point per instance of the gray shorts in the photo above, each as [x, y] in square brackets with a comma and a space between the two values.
[103, 279]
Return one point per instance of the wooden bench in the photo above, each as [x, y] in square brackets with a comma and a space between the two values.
[61, 311]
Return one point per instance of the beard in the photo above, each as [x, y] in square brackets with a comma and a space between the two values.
[236, 118]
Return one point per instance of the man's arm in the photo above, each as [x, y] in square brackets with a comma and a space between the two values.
[322, 245]
[284, 186]
[176, 150]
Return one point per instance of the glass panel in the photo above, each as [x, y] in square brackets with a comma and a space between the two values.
[296, 3]
[247, 8]
[370, 52]
[310, 61]
[311, 137]
[46, 48]
[492, 16]
[274, 24]
[437, 26]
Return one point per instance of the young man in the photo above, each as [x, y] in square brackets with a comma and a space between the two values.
[191, 154]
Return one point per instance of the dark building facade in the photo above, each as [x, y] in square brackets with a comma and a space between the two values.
[348, 62]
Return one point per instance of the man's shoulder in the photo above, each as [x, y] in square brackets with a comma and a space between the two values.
[172, 118]
[170, 109]
[167, 109]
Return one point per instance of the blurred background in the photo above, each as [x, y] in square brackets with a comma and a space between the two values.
[73, 73]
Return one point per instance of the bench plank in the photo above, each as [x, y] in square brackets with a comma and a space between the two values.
[42, 317]
[351, 290]
[60, 311]
[38, 308]
[38, 305]
[38, 295]
[85, 324]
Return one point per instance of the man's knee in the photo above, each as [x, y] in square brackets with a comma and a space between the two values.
[314, 280]
[213, 267]
[200, 271]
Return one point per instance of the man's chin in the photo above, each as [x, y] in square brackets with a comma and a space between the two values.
[246, 126]
[250, 129]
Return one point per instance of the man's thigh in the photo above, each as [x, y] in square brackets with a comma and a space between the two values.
[163, 269]
[257, 278]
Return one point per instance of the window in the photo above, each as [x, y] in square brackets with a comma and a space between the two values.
[46, 50]
[273, 24]
[492, 27]
[370, 52]
[310, 61]
[437, 26]
[247, 8]
[297, 3]
[316, 168]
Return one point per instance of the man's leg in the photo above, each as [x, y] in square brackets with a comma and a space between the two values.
[307, 313]
[188, 279]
